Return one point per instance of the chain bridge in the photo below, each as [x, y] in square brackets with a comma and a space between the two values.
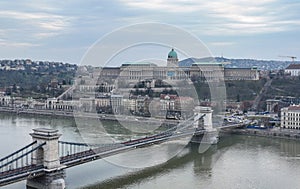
[42, 162]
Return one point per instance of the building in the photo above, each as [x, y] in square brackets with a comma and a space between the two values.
[116, 102]
[133, 72]
[63, 105]
[5, 100]
[172, 59]
[129, 105]
[167, 102]
[241, 74]
[206, 71]
[290, 117]
[103, 104]
[293, 69]
[87, 104]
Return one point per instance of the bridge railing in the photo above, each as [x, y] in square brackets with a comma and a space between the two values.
[20, 158]
[71, 148]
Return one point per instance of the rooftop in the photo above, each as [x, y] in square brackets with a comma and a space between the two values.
[293, 66]
[147, 64]
[294, 107]
[172, 54]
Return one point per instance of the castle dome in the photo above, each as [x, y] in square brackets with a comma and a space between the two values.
[172, 54]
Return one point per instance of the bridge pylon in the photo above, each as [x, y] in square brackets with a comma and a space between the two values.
[206, 122]
[210, 135]
[48, 156]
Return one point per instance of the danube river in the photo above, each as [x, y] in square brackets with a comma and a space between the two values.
[235, 162]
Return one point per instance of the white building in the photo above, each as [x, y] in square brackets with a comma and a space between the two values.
[290, 117]
[56, 104]
[293, 69]
[116, 102]
[5, 100]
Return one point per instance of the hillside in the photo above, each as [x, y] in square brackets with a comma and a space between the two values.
[284, 87]
[241, 63]
[247, 90]
[36, 79]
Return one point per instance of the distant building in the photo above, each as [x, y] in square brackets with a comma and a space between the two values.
[206, 71]
[56, 104]
[5, 100]
[132, 72]
[293, 69]
[290, 117]
[129, 105]
[102, 101]
[167, 101]
[110, 72]
[241, 74]
[116, 102]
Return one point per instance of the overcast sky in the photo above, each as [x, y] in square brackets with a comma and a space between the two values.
[64, 30]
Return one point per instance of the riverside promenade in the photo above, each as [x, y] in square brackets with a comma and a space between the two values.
[36, 111]
[270, 133]
[70, 114]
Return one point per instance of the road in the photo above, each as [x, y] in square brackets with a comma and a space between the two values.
[262, 93]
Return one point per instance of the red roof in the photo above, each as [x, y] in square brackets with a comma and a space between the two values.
[162, 96]
[293, 66]
[297, 107]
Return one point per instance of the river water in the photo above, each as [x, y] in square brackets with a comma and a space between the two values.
[235, 162]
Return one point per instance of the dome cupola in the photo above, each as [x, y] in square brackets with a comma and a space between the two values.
[172, 54]
[172, 59]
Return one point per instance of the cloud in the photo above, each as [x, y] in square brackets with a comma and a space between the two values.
[221, 43]
[38, 19]
[5, 43]
[164, 5]
[26, 29]
[224, 17]
[76, 24]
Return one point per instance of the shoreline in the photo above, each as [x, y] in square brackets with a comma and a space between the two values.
[104, 117]
[272, 133]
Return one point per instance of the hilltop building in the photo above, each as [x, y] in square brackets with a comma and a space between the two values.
[204, 71]
[293, 69]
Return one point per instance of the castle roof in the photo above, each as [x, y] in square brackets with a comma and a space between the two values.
[172, 54]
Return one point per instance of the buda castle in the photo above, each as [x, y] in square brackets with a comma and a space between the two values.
[198, 71]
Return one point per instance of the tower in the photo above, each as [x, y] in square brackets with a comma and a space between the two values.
[172, 59]
[48, 157]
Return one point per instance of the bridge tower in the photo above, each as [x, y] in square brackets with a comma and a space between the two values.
[206, 123]
[210, 135]
[48, 157]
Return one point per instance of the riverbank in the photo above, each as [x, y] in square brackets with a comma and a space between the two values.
[104, 117]
[269, 133]
[43, 112]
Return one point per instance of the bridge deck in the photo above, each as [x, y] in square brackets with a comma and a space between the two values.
[15, 175]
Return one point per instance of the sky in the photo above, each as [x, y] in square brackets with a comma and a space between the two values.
[65, 30]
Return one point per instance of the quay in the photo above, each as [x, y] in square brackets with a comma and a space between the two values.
[70, 114]
[270, 133]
